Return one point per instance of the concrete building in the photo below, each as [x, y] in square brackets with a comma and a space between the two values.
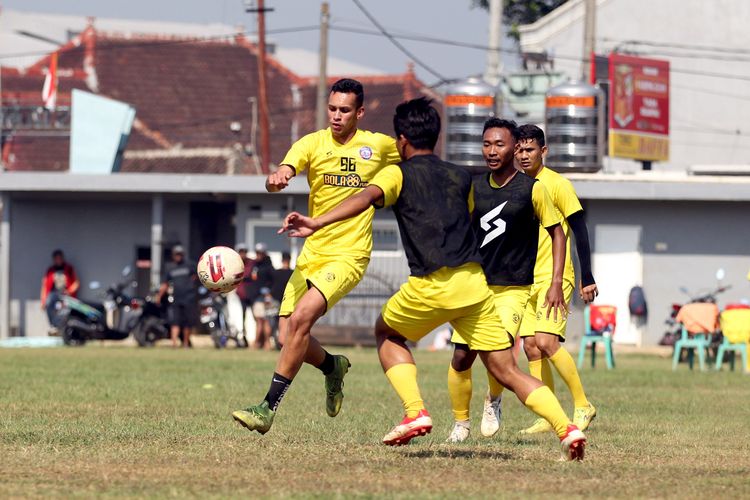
[105, 222]
[706, 45]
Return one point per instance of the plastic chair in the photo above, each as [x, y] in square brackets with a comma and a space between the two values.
[602, 330]
[699, 322]
[735, 327]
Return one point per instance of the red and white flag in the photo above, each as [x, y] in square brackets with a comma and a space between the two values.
[49, 91]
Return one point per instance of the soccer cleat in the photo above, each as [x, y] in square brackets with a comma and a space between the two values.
[409, 428]
[255, 418]
[582, 416]
[540, 425]
[573, 443]
[492, 415]
[335, 385]
[460, 433]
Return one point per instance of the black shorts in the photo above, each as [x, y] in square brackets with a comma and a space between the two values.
[183, 315]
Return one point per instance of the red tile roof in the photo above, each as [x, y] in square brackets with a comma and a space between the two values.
[187, 93]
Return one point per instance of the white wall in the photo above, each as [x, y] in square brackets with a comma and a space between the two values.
[705, 112]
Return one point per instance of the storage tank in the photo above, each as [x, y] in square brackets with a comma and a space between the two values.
[468, 104]
[574, 127]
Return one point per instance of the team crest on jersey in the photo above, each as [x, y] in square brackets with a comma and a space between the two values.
[330, 277]
[516, 318]
[365, 152]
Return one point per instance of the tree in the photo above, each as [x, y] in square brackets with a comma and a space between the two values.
[519, 12]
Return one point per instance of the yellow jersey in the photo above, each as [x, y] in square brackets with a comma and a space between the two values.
[566, 203]
[335, 172]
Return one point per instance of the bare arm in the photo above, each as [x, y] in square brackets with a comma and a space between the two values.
[73, 288]
[43, 292]
[279, 180]
[555, 299]
[160, 294]
[300, 226]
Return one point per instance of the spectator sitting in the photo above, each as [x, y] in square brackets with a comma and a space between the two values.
[59, 279]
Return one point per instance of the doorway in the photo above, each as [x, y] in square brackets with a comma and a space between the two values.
[618, 266]
[211, 223]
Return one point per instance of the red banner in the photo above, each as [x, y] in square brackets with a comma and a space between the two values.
[639, 107]
[639, 94]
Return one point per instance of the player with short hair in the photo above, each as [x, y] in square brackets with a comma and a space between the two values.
[430, 200]
[338, 161]
[543, 335]
[508, 208]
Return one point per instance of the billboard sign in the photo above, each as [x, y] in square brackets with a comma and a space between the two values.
[638, 108]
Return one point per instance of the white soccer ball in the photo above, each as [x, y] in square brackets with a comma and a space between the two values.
[220, 269]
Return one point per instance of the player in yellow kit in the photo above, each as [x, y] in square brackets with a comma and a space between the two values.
[338, 161]
[430, 200]
[542, 334]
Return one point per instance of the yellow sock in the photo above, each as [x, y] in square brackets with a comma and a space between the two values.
[547, 378]
[566, 367]
[542, 402]
[496, 388]
[403, 378]
[540, 370]
[459, 388]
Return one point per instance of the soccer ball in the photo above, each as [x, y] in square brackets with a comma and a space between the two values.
[220, 269]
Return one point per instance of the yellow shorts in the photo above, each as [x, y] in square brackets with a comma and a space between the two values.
[333, 277]
[535, 316]
[510, 302]
[413, 313]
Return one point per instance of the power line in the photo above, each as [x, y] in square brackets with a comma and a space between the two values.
[651, 43]
[397, 43]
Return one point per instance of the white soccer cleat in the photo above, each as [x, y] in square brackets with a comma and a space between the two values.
[492, 415]
[460, 432]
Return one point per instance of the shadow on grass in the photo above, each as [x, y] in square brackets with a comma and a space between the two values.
[458, 453]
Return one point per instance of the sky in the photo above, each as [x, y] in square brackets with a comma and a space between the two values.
[452, 20]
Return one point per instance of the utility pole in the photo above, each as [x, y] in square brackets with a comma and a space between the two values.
[322, 103]
[265, 133]
[494, 61]
[589, 39]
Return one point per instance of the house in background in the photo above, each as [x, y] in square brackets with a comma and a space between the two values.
[189, 173]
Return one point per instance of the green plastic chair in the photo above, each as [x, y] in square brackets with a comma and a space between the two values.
[590, 339]
[735, 326]
[697, 340]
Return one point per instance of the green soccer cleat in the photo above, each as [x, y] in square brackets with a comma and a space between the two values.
[541, 425]
[583, 415]
[255, 418]
[335, 385]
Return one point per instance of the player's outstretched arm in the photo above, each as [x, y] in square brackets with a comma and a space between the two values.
[278, 180]
[300, 226]
[588, 288]
[555, 299]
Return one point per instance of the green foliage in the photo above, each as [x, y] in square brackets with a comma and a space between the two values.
[520, 12]
[102, 422]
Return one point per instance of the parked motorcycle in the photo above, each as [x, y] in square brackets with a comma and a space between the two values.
[674, 329]
[112, 319]
[152, 324]
[213, 319]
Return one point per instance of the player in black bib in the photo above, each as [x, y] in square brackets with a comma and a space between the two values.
[508, 208]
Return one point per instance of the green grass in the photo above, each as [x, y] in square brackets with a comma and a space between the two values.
[122, 422]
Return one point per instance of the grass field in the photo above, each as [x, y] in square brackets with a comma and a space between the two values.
[114, 422]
